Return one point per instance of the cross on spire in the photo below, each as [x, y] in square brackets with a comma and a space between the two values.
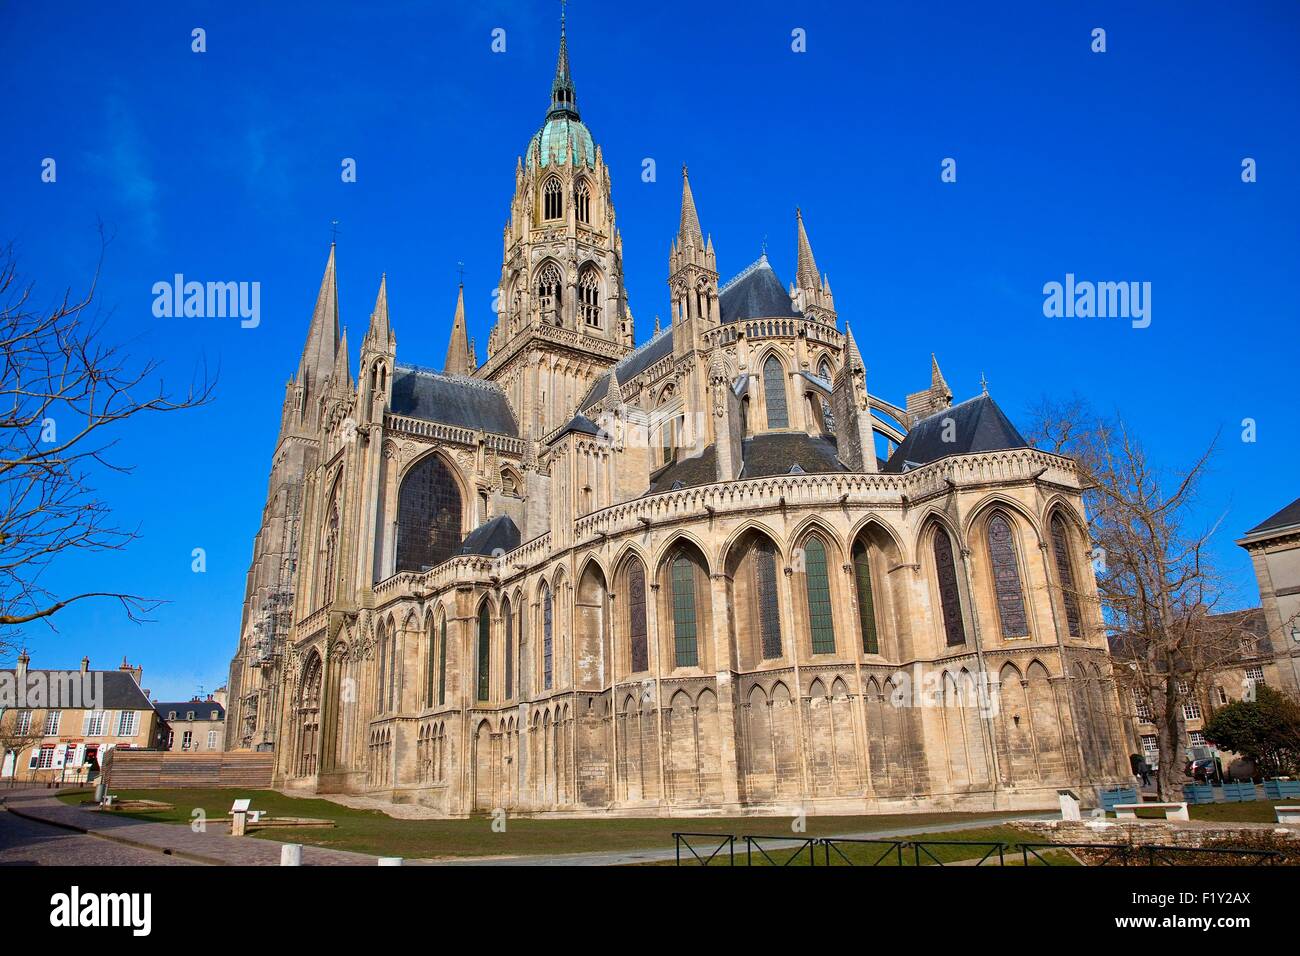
[984, 383]
[460, 270]
[334, 231]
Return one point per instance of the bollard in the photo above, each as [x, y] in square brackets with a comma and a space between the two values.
[291, 854]
[100, 789]
[390, 861]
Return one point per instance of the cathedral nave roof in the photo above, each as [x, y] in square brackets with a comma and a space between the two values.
[452, 400]
[977, 424]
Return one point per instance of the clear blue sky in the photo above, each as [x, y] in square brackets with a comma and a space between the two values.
[226, 166]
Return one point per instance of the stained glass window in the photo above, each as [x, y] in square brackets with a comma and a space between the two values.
[684, 633]
[1065, 574]
[428, 516]
[546, 637]
[507, 618]
[1006, 578]
[949, 594]
[484, 652]
[866, 599]
[820, 621]
[769, 612]
[636, 616]
[774, 391]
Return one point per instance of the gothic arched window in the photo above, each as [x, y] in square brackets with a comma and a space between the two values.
[484, 652]
[546, 638]
[582, 202]
[636, 608]
[866, 599]
[828, 416]
[1065, 574]
[428, 516]
[381, 691]
[949, 593]
[1006, 578]
[821, 623]
[552, 199]
[589, 298]
[507, 618]
[392, 669]
[686, 650]
[550, 285]
[769, 610]
[774, 391]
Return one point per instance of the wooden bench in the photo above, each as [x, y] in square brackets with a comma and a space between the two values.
[1288, 814]
[1173, 811]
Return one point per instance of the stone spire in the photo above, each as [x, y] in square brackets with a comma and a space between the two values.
[690, 227]
[380, 332]
[926, 402]
[936, 376]
[852, 407]
[810, 292]
[852, 357]
[564, 98]
[341, 373]
[458, 362]
[806, 273]
[613, 391]
[323, 335]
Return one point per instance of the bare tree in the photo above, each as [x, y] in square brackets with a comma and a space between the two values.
[64, 393]
[15, 738]
[1155, 580]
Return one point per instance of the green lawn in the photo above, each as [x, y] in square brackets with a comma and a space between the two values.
[369, 831]
[966, 847]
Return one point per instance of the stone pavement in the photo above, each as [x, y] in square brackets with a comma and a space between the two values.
[24, 842]
[213, 846]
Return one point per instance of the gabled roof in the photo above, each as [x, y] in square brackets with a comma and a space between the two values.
[756, 293]
[777, 453]
[1286, 518]
[497, 536]
[976, 425]
[452, 400]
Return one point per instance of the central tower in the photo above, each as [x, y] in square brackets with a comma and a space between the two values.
[562, 314]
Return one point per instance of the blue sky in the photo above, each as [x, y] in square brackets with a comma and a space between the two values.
[225, 165]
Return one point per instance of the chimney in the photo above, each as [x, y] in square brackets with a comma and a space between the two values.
[137, 671]
[85, 664]
[20, 674]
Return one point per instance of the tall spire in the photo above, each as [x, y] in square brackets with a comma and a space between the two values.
[936, 376]
[806, 275]
[564, 98]
[458, 348]
[323, 335]
[380, 331]
[690, 227]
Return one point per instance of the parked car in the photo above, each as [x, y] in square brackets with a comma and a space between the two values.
[1202, 770]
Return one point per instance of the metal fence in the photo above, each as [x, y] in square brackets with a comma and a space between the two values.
[705, 849]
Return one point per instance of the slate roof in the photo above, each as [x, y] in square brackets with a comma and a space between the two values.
[1288, 516]
[500, 534]
[776, 453]
[452, 400]
[977, 425]
[578, 423]
[121, 692]
[755, 293]
[202, 709]
[631, 365]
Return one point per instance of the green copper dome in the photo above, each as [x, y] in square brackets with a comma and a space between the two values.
[564, 140]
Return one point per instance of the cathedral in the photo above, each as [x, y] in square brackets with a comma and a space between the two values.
[710, 573]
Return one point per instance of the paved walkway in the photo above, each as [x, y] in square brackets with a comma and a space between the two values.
[25, 842]
[213, 846]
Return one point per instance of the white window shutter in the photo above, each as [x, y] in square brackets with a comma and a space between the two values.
[80, 757]
[85, 724]
[60, 755]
